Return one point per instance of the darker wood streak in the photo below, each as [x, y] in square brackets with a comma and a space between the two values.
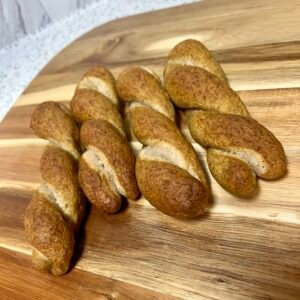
[287, 51]
[20, 281]
[233, 255]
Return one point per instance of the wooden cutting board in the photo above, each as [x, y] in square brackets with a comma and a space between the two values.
[241, 249]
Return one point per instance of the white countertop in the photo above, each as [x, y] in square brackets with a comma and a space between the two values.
[21, 61]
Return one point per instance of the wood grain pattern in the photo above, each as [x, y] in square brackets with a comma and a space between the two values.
[242, 249]
[80, 284]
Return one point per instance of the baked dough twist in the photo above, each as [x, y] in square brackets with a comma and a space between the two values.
[54, 214]
[239, 148]
[168, 172]
[106, 168]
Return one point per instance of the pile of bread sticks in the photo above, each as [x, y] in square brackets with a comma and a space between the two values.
[89, 156]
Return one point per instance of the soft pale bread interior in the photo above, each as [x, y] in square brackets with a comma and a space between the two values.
[151, 72]
[253, 158]
[236, 154]
[99, 162]
[166, 152]
[67, 147]
[99, 85]
[154, 106]
[58, 200]
[188, 60]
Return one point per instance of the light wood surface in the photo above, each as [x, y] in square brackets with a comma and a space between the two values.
[242, 249]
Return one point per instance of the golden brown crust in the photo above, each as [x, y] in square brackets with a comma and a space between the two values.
[102, 81]
[47, 231]
[59, 170]
[51, 121]
[171, 189]
[191, 87]
[91, 105]
[107, 168]
[168, 171]
[135, 84]
[97, 189]
[193, 52]
[150, 126]
[195, 80]
[57, 208]
[55, 212]
[104, 137]
[232, 132]
[232, 173]
[103, 74]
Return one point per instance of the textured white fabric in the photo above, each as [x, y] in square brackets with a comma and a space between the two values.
[20, 62]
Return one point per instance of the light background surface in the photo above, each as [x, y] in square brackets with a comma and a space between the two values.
[19, 18]
[34, 31]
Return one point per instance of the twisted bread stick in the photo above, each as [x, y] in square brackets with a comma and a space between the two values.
[168, 172]
[54, 214]
[106, 169]
[239, 148]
